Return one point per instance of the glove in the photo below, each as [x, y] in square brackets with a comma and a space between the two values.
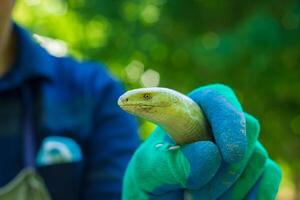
[202, 169]
[267, 185]
[253, 164]
[264, 174]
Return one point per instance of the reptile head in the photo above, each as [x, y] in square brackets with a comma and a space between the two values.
[147, 102]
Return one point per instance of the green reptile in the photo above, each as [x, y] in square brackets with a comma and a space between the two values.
[175, 112]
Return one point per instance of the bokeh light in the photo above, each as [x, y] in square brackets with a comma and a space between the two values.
[55, 47]
[150, 78]
[134, 71]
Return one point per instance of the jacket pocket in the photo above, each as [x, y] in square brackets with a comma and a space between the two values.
[62, 180]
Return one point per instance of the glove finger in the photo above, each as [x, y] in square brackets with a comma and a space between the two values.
[174, 194]
[226, 118]
[226, 91]
[250, 175]
[229, 173]
[268, 184]
[167, 169]
[224, 179]
[252, 132]
[204, 159]
[190, 166]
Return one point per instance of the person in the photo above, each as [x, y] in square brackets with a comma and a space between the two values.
[62, 136]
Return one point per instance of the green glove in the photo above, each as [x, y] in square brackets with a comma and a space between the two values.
[259, 180]
[154, 170]
[201, 169]
[267, 185]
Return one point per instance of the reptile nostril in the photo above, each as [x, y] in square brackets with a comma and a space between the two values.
[126, 99]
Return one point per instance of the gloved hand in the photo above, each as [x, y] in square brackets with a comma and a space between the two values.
[229, 166]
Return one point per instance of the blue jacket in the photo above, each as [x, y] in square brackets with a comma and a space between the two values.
[74, 100]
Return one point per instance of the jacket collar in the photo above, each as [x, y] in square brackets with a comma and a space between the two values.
[32, 61]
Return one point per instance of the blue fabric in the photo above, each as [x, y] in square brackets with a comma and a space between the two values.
[73, 100]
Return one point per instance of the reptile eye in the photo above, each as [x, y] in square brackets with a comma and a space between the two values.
[147, 96]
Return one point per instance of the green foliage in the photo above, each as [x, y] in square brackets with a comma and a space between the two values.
[252, 46]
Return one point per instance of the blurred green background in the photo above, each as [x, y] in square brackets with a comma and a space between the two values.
[252, 46]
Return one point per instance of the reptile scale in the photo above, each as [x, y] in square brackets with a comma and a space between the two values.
[176, 113]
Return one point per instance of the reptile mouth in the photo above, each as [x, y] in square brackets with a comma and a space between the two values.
[143, 105]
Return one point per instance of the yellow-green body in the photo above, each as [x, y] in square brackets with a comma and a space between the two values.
[176, 113]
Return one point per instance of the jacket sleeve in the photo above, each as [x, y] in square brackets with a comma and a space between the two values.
[112, 142]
